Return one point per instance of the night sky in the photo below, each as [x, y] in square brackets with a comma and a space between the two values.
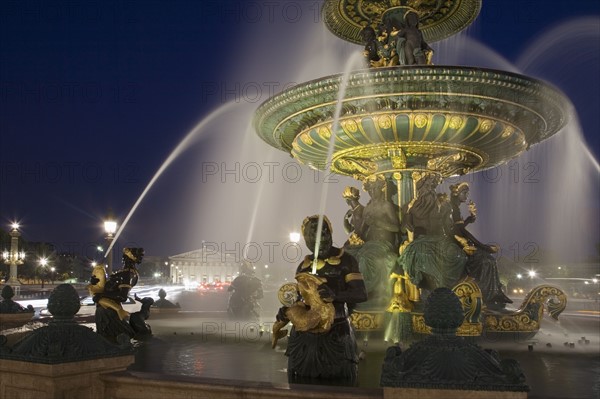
[95, 95]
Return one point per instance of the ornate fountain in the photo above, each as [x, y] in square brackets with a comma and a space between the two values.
[403, 119]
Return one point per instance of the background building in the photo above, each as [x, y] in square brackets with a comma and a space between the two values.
[202, 266]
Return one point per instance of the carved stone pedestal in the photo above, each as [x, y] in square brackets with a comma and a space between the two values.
[62, 359]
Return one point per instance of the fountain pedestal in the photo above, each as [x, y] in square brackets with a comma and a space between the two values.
[61, 360]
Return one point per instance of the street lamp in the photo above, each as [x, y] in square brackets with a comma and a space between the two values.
[43, 263]
[14, 257]
[294, 237]
[110, 228]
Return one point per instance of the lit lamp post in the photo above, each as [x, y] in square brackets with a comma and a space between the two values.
[43, 264]
[14, 257]
[294, 237]
[110, 228]
[532, 274]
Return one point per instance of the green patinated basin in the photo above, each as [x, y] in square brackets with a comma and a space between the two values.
[445, 119]
[437, 19]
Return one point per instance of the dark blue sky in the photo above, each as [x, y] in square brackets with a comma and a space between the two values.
[95, 95]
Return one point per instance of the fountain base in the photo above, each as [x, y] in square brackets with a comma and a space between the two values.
[522, 323]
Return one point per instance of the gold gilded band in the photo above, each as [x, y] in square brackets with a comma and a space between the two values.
[353, 276]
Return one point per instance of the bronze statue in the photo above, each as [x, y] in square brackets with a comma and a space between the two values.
[423, 225]
[164, 303]
[353, 219]
[432, 256]
[481, 265]
[396, 43]
[311, 313]
[428, 259]
[246, 290]
[109, 294]
[137, 320]
[7, 305]
[326, 347]
[410, 45]
[428, 213]
[379, 216]
[374, 239]
[371, 51]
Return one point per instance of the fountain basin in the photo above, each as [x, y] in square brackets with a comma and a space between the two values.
[437, 20]
[445, 119]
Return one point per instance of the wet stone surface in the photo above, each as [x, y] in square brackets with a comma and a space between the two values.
[221, 348]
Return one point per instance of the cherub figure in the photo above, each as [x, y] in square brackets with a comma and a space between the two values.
[410, 45]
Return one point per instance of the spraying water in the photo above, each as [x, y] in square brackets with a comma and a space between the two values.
[182, 146]
[574, 66]
[257, 203]
[542, 204]
[355, 58]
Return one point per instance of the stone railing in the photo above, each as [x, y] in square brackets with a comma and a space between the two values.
[150, 386]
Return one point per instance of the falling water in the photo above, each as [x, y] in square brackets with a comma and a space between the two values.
[564, 56]
[546, 199]
[257, 203]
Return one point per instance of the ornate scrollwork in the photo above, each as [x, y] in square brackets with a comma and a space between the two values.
[367, 321]
[288, 294]
[356, 166]
[439, 19]
[453, 164]
[529, 315]
[526, 319]
[471, 300]
[398, 158]
[442, 158]
[418, 324]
